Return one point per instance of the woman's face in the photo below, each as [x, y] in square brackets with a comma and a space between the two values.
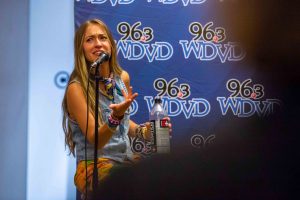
[95, 42]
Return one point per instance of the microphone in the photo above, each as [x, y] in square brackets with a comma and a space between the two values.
[102, 58]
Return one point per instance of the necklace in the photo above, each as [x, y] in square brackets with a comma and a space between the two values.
[109, 86]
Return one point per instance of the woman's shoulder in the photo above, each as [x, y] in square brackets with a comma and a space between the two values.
[75, 98]
[74, 86]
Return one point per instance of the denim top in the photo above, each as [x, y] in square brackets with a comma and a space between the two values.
[118, 147]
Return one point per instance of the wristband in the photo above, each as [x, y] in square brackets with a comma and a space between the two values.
[113, 123]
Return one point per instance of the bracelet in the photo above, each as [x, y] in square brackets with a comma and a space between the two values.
[113, 123]
[140, 131]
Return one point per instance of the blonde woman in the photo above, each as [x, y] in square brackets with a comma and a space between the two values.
[115, 127]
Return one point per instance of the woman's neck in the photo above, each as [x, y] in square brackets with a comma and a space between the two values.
[104, 70]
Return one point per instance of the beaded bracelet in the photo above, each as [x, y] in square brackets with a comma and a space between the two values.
[112, 123]
[140, 131]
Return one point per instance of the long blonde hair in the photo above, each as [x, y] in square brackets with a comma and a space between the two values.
[80, 73]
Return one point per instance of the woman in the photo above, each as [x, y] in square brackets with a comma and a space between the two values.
[92, 39]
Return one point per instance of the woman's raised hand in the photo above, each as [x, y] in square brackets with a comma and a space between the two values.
[119, 109]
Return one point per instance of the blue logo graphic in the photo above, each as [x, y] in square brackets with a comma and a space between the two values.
[61, 79]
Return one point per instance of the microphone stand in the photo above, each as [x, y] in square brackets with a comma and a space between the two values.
[95, 171]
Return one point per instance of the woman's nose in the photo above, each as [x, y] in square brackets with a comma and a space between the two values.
[98, 42]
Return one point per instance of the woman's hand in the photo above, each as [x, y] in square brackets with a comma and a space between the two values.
[119, 109]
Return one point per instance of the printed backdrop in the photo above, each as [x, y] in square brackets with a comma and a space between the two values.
[182, 50]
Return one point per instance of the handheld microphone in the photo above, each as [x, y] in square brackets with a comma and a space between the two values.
[102, 58]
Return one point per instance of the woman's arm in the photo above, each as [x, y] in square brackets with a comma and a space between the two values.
[132, 125]
[77, 108]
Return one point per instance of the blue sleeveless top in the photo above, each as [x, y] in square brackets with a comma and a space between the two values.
[118, 147]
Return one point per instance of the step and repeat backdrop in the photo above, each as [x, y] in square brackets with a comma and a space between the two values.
[184, 51]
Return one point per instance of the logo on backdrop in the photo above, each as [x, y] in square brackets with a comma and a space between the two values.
[135, 43]
[164, 2]
[139, 145]
[174, 97]
[199, 141]
[246, 99]
[206, 44]
[61, 79]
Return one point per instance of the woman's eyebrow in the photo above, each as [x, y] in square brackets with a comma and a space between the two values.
[96, 34]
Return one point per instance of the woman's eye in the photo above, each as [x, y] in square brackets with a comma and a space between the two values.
[89, 40]
[103, 38]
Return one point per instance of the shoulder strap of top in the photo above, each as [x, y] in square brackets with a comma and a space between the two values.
[74, 81]
[122, 85]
